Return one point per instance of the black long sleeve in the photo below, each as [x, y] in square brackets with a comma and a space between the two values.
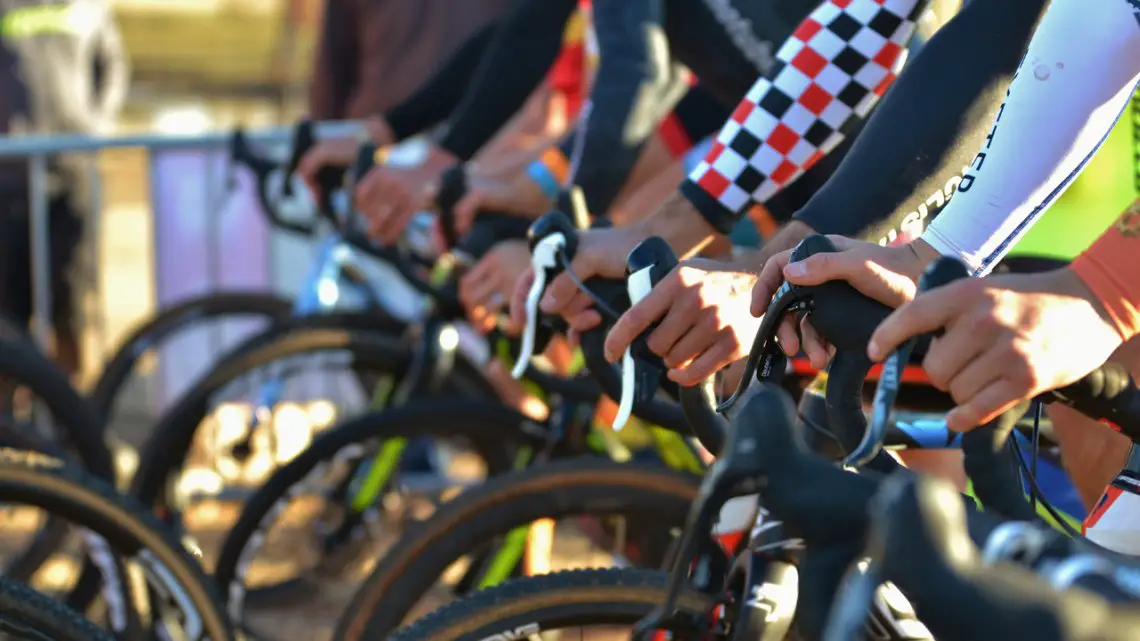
[524, 48]
[637, 85]
[929, 126]
[434, 101]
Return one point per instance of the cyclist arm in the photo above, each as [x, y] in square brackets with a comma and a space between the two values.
[1111, 272]
[441, 94]
[514, 65]
[637, 85]
[829, 75]
[1077, 77]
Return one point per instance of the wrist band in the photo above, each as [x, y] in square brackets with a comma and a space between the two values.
[550, 172]
[544, 179]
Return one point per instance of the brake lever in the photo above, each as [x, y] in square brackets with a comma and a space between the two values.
[937, 274]
[552, 239]
[641, 369]
[766, 361]
[303, 141]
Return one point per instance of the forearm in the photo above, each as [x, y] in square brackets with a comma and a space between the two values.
[514, 66]
[1058, 110]
[635, 87]
[816, 97]
[680, 225]
[904, 167]
[435, 100]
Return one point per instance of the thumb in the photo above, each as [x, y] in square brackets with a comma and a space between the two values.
[467, 208]
[518, 299]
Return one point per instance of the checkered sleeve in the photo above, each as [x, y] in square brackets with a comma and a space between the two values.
[828, 76]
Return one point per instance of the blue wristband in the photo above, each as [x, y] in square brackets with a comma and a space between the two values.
[544, 178]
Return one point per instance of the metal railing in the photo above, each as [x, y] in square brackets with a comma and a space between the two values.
[37, 150]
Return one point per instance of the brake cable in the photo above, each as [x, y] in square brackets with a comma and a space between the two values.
[602, 305]
[1039, 496]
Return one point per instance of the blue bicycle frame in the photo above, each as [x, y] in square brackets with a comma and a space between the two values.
[932, 433]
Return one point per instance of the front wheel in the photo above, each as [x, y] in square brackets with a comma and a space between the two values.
[27, 615]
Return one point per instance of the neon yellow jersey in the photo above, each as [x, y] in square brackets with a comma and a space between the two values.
[1104, 189]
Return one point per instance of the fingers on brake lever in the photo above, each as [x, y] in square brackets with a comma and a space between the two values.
[646, 266]
[550, 237]
[937, 274]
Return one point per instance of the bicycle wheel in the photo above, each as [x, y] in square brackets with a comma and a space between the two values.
[169, 322]
[27, 615]
[118, 528]
[653, 498]
[525, 608]
[490, 430]
[379, 352]
[78, 434]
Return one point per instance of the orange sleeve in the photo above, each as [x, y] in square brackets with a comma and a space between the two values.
[1110, 268]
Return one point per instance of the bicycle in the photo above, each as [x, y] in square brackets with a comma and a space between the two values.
[147, 579]
[598, 595]
[27, 615]
[379, 606]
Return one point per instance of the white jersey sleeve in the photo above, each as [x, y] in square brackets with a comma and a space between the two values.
[1077, 77]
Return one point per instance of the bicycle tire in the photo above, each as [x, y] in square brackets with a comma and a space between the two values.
[128, 528]
[168, 322]
[27, 615]
[165, 451]
[521, 607]
[82, 434]
[490, 427]
[563, 488]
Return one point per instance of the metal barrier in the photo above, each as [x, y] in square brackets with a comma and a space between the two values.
[37, 149]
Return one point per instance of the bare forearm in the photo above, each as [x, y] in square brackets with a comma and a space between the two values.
[788, 237]
[680, 225]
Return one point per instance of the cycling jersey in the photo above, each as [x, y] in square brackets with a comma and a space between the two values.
[829, 75]
[643, 45]
[1059, 108]
[570, 71]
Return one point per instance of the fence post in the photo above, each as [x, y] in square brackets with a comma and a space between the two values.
[40, 240]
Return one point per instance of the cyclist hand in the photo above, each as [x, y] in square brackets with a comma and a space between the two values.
[517, 194]
[886, 274]
[339, 152]
[705, 324]
[487, 286]
[388, 198]
[1007, 338]
[601, 252]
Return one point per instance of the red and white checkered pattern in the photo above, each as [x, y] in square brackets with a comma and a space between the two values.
[829, 74]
